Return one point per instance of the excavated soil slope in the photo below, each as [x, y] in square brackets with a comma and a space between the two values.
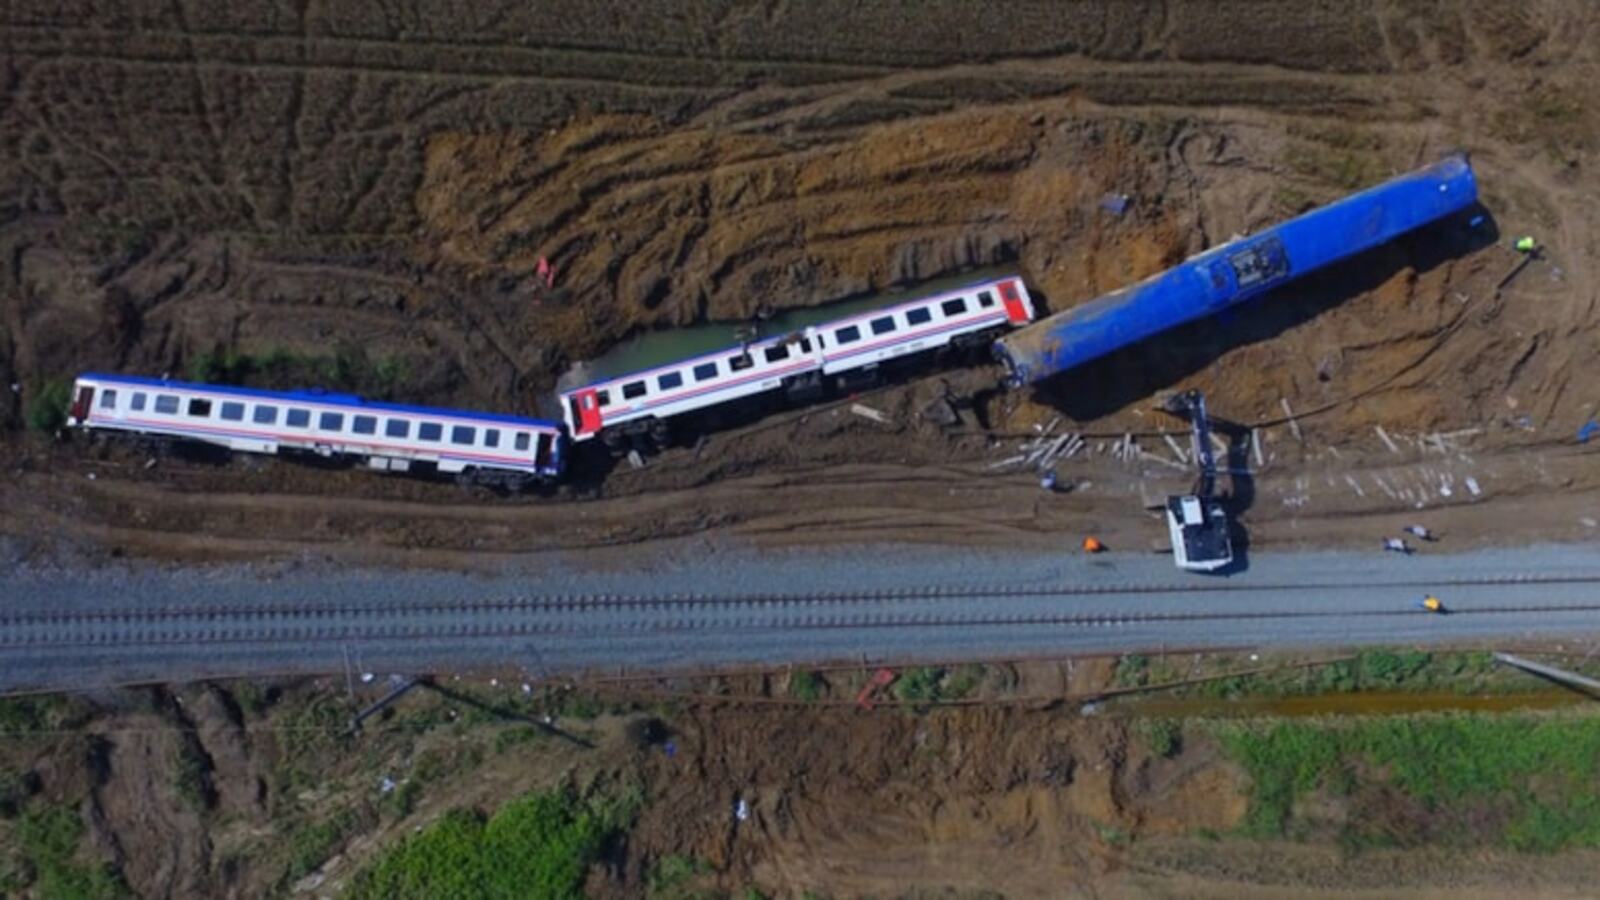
[374, 187]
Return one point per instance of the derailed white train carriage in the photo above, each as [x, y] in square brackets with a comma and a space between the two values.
[482, 447]
[641, 403]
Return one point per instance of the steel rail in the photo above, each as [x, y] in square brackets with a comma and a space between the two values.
[207, 631]
[567, 603]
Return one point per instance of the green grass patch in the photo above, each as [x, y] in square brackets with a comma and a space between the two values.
[537, 846]
[919, 684]
[671, 875]
[1539, 773]
[963, 681]
[348, 368]
[1161, 737]
[805, 685]
[1132, 670]
[49, 839]
[311, 845]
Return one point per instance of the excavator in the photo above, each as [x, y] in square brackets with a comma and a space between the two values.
[1197, 521]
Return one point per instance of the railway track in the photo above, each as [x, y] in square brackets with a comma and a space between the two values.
[598, 615]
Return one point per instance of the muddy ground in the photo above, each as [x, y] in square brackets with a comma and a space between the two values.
[1003, 783]
[370, 188]
[292, 193]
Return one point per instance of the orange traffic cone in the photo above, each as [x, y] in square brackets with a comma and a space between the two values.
[1092, 544]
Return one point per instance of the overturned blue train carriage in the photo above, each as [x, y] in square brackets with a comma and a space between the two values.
[1237, 271]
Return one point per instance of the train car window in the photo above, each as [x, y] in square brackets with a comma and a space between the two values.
[522, 441]
[954, 307]
[429, 431]
[331, 421]
[233, 412]
[108, 399]
[847, 335]
[397, 428]
[918, 316]
[705, 371]
[298, 418]
[985, 299]
[167, 403]
[138, 401]
[740, 363]
[633, 389]
[200, 408]
[463, 435]
[883, 325]
[778, 353]
[491, 437]
[670, 380]
[364, 424]
[265, 415]
[602, 398]
[805, 345]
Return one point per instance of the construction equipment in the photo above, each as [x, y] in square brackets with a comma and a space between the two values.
[1197, 521]
[1431, 604]
[879, 680]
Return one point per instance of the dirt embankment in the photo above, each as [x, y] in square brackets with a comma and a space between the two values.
[363, 199]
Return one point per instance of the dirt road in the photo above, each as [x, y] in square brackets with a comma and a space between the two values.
[361, 200]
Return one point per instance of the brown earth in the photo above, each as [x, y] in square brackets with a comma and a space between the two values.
[378, 182]
[1014, 796]
[373, 186]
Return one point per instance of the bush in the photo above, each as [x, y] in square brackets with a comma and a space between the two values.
[962, 682]
[539, 845]
[310, 846]
[49, 839]
[1161, 736]
[804, 685]
[47, 410]
[918, 685]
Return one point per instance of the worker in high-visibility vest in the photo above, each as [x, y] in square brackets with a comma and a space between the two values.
[1431, 604]
[1526, 244]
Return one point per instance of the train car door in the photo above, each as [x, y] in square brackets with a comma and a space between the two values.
[586, 412]
[1016, 311]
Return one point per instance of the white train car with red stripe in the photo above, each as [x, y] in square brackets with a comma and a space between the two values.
[480, 447]
[847, 350]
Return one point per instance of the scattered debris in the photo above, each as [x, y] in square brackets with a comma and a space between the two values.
[867, 412]
[1587, 431]
[1008, 461]
[1355, 485]
[1472, 485]
[1116, 204]
[1384, 436]
[741, 810]
[635, 460]
[1420, 532]
[1255, 446]
[386, 785]
[1587, 522]
[1294, 424]
[1397, 545]
[367, 677]
[150, 463]
[1176, 450]
[879, 680]
[1048, 482]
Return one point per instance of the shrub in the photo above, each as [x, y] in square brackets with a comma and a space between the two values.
[539, 845]
[804, 685]
[918, 685]
[47, 410]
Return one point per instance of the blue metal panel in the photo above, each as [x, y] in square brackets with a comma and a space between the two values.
[1238, 271]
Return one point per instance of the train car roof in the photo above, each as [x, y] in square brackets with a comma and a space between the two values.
[773, 339]
[316, 395]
